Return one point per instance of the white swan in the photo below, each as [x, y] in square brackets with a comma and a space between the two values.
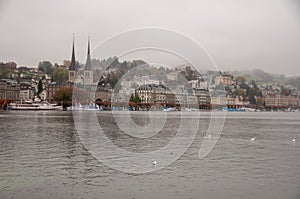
[154, 163]
[294, 139]
[252, 139]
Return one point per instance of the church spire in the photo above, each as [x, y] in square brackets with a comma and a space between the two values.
[88, 65]
[73, 65]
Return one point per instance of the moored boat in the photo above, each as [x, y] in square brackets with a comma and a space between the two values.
[33, 106]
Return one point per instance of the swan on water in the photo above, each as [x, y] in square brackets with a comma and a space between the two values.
[154, 163]
[294, 139]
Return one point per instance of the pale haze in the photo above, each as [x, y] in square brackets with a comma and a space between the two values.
[238, 35]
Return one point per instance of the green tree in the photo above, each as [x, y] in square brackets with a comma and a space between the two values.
[40, 87]
[161, 73]
[240, 80]
[4, 71]
[45, 67]
[132, 98]
[239, 92]
[60, 75]
[252, 99]
[64, 95]
[295, 82]
[259, 101]
[228, 89]
[135, 98]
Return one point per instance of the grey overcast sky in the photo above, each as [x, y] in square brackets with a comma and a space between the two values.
[238, 34]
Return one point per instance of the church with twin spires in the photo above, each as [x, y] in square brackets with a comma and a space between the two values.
[84, 76]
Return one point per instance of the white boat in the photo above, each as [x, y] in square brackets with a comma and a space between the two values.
[33, 106]
[191, 109]
[87, 107]
[169, 109]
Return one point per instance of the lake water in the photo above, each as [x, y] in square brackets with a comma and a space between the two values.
[42, 156]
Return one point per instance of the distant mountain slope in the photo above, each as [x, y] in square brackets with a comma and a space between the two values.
[295, 81]
[261, 76]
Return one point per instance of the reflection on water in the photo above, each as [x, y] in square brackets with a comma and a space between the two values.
[41, 156]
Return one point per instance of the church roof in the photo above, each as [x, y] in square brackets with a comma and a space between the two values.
[88, 65]
[73, 65]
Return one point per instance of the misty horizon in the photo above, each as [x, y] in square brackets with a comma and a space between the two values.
[238, 36]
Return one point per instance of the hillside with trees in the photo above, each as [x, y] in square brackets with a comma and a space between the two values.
[295, 81]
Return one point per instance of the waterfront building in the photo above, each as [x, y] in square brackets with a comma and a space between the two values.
[172, 76]
[9, 90]
[126, 91]
[180, 93]
[27, 91]
[146, 80]
[224, 78]
[278, 101]
[200, 83]
[43, 95]
[191, 101]
[160, 94]
[151, 93]
[52, 88]
[203, 96]
[25, 95]
[218, 97]
[86, 80]
[236, 101]
[200, 91]
[103, 94]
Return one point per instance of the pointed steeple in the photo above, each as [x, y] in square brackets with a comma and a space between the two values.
[73, 65]
[88, 65]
